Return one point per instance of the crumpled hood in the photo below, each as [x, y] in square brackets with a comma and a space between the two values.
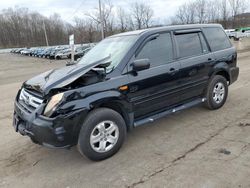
[58, 78]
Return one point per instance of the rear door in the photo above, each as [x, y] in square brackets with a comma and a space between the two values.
[196, 60]
[156, 88]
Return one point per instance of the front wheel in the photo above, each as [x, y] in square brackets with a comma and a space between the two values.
[102, 134]
[217, 92]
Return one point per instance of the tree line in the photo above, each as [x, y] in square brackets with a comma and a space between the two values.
[21, 27]
[225, 12]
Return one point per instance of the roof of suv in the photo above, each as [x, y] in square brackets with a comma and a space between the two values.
[166, 28]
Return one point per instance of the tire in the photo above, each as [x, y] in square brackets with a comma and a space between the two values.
[33, 140]
[236, 39]
[217, 92]
[89, 143]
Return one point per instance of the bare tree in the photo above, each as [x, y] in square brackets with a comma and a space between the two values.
[237, 7]
[107, 13]
[185, 14]
[147, 17]
[213, 11]
[224, 11]
[122, 19]
[142, 14]
[201, 10]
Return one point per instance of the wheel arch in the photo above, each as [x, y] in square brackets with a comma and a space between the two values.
[223, 70]
[121, 107]
[225, 74]
[108, 99]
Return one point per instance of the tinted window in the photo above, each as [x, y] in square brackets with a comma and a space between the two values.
[217, 39]
[159, 50]
[188, 44]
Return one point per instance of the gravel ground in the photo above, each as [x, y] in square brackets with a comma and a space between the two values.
[193, 148]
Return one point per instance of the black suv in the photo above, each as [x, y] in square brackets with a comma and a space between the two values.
[125, 81]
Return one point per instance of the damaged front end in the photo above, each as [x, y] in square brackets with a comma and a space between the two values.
[40, 109]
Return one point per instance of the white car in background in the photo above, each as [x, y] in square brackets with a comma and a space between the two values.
[64, 54]
[25, 52]
[231, 33]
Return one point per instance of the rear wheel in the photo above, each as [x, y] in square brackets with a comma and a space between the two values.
[102, 134]
[217, 92]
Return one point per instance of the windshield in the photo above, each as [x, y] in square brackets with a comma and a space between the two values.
[115, 48]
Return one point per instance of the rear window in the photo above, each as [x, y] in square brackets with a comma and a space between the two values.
[189, 44]
[217, 38]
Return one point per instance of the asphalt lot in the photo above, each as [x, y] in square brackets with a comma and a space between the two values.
[193, 148]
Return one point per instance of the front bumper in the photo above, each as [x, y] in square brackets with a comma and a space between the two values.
[234, 73]
[59, 132]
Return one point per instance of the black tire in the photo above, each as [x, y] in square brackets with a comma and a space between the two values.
[236, 39]
[33, 140]
[211, 103]
[93, 119]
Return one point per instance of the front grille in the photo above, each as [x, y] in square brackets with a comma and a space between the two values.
[28, 101]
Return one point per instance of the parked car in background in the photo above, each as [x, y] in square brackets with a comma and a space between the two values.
[63, 54]
[80, 53]
[48, 52]
[125, 81]
[230, 33]
[32, 51]
[36, 52]
[19, 50]
[13, 50]
[42, 52]
[55, 50]
[53, 53]
[241, 33]
[25, 52]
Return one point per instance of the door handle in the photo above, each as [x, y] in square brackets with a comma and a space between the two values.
[210, 59]
[172, 69]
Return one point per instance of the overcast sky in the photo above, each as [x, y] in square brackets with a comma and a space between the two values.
[68, 9]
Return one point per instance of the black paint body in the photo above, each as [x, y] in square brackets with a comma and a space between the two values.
[150, 91]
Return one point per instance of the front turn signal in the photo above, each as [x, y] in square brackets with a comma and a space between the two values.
[123, 88]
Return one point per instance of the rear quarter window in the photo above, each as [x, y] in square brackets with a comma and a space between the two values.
[217, 38]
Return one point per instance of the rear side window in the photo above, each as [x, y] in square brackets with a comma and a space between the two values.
[189, 44]
[217, 38]
[159, 50]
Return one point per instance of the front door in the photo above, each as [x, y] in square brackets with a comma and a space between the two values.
[156, 88]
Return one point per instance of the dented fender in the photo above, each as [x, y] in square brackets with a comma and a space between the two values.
[92, 100]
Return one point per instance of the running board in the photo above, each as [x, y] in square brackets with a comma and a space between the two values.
[168, 112]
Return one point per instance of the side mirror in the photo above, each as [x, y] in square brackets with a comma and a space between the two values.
[140, 64]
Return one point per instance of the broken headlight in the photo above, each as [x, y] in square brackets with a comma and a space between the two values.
[52, 104]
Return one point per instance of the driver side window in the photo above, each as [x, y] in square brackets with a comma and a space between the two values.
[159, 50]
